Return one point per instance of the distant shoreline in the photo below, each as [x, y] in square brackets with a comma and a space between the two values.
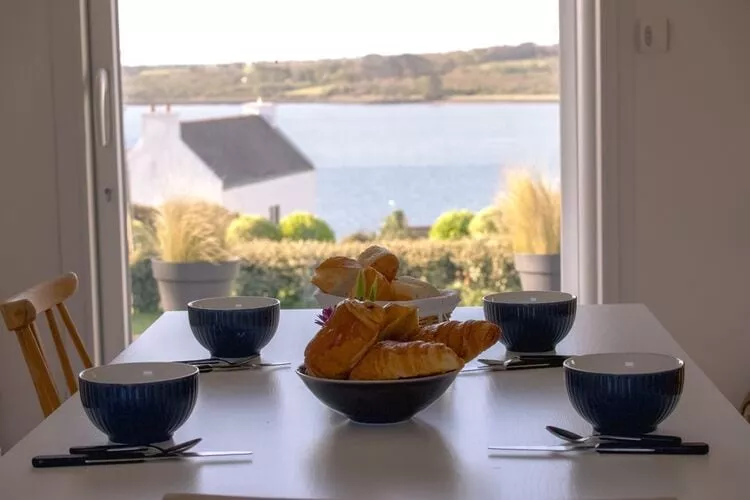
[475, 99]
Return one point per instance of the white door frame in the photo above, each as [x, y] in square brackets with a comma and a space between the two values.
[109, 179]
[595, 38]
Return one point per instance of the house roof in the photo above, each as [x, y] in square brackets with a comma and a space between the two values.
[243, 149]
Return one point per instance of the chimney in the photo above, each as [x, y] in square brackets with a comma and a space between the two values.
[160, 126]
[260, 108]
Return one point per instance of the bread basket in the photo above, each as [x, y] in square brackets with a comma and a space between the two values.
[431, 311]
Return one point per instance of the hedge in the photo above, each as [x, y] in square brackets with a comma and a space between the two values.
[283, 269]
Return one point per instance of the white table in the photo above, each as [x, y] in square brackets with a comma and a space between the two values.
[304, 450]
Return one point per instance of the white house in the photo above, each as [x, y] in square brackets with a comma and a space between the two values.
[243, 162]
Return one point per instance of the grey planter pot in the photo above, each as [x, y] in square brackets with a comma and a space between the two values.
[539, 272]
[183, 282]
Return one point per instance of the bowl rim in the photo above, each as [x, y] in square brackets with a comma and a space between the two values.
[189, 371]
[568, 297]
[300, 372]
[196, 304]
[680, 363]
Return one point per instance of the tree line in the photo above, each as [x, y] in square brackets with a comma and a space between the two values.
[504, 72]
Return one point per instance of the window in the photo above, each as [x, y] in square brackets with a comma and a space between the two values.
[391, 129]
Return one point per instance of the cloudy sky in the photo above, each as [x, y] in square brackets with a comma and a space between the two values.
[220, 31]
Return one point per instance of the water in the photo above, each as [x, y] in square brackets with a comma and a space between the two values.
[422, 158]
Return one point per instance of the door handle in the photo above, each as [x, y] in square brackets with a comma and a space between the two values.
[102, 106]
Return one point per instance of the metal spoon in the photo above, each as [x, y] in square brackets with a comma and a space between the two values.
[574, 438]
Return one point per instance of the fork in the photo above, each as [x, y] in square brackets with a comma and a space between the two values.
[236, 367]
[218, 361]
[129, 449]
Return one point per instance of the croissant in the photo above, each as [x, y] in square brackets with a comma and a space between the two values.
[380, 259]
[467, 338]
[400, 322]
[351, 330]
[336, 275]
[389, 360]
[373, 277]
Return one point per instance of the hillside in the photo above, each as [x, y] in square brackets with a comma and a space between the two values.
[523, 72]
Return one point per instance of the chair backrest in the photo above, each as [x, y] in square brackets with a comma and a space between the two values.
[20, 313]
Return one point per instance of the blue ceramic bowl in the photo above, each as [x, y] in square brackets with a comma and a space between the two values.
[378, 401]
[531, 321]
[234, 327]
[624, 393]
[139, 403]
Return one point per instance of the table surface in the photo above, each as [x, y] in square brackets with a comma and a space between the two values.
[304, 450]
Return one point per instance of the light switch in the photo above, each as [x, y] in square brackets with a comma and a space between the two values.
[653, 35]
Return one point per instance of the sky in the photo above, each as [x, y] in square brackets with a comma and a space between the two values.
[154, 32]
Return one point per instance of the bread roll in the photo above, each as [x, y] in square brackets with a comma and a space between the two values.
[381, 259]
[400, 322]
[408, 288]
[341, 343]
[336, 275]
[389, 360]
[467, 338]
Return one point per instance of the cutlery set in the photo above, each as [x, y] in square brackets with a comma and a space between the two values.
[522, 362]
[127, 454]
[208, 365]
[646, 444]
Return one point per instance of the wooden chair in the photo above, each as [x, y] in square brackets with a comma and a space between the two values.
[20, 313]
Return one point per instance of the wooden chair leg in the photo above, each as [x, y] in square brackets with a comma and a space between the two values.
[77, 342]
[70, 380]
[37, 352]
[45, 389]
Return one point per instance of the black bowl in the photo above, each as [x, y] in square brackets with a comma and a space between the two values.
[234, 327]
[531, 321]
[624, 393]
[378, 401]
[139, 403]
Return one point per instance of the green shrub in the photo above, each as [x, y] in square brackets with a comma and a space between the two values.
[251, 227]
[487, 223]
[452, 225]
[395, 226]
[283, 269]
[305, 226]
[143, 287]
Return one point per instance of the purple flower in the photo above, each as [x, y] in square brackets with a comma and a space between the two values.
[324, 316]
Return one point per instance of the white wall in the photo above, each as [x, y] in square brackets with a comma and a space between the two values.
[160, 166]
[686, 134]
[292, 193]
[42, 214]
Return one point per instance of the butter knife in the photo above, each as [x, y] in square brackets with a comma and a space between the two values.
[47, 461]
[616, 448]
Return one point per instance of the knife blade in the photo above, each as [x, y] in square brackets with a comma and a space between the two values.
[508, 367]
[47, 461]
[615, 448]
[547, 358]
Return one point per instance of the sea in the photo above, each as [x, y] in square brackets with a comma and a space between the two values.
[424, 158]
